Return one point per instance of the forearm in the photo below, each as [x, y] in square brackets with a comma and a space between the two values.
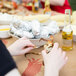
[57, 2]
[6, 61]
[13, 72]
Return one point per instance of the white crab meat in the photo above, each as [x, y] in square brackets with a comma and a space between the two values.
[44, 32]
[19, 33]
[25, 26]
[53, 28]
[35, 27]
[28, 34]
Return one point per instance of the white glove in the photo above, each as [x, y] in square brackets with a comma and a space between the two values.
[21, 46]
[54, 60]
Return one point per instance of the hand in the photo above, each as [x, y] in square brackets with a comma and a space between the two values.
[54, 60]
[21, 46]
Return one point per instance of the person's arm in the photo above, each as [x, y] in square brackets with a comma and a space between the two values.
[13, 72]
[54, 61]
[52, 2]
[56, 2]
[7, 64]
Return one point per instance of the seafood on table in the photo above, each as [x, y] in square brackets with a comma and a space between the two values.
[33, 29]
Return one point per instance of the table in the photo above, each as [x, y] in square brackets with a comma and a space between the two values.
[22, 62]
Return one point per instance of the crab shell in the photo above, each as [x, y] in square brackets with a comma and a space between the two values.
[48, 46]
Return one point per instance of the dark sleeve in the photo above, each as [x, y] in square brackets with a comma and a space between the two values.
[6, 61]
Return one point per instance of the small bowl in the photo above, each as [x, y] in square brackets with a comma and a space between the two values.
[4, 31]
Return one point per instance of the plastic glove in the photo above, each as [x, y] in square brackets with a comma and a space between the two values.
[54, 60]
[21, 46]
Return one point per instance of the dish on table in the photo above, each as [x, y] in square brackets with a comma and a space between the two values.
[4, 31]
[34, 30]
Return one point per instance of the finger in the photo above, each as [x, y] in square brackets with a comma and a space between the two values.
[56, 45]
[66, 59]
[26, 50]
[59, 51]
[28, 43]
[44, 53]
[64, 54]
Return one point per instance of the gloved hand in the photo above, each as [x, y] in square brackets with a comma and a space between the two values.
[54, 60]
[21, 46]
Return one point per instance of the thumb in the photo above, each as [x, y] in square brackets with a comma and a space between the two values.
[44, 53]
[56, 45]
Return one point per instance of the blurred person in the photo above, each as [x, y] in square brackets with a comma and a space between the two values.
[7, 64]
[56, 5]
[53, 61]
